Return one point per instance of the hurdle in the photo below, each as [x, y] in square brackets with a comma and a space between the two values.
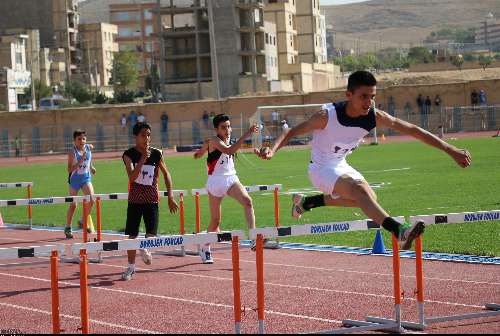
[491, 309]
[42, 251]
[156, 243]
[124, 196]
[326, 228]
[41, 201]
[29, 191]
[275, 188]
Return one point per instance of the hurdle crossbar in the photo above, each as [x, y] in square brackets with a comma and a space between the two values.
[29, 190]
[250, 189]
[30, 252]
[154, 243]
[42, 201]
[327, 228]
[124, 196]
[316, 229]
[455, 218]
[275, 188]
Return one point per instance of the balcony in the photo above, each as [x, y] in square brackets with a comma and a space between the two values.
[250, 4]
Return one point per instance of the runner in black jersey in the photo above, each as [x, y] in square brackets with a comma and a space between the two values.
[143, 164]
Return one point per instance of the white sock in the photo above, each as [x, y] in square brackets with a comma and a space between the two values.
[131, 267]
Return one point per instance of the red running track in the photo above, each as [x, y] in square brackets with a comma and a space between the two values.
[305, 291]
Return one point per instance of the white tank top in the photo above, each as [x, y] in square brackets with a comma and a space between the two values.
[341, 136]
[220, 164]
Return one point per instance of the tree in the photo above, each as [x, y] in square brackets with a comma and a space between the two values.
[152, 80]
[125, 74]
[421, 55]
[77, 90]
[458, 61]
[41, 90]
[484, 61]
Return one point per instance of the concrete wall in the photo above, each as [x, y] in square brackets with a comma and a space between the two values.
[183, 115]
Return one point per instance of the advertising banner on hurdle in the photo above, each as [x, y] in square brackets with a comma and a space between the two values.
[317, 229]
[160, 242]
[455, 218]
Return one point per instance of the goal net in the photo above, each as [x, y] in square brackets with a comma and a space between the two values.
[273, 119]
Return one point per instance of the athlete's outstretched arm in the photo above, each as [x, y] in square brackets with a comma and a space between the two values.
[461, 156]
[200, 152]
[317, 121]
[172, 204]
[218, 144]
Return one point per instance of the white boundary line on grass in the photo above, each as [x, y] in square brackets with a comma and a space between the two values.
[107, 324]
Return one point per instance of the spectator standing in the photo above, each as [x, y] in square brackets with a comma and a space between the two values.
[474, 98]
[205, 119]
[164, 129]
[141, 118]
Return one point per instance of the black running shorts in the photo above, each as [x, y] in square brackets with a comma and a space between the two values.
[135, 212]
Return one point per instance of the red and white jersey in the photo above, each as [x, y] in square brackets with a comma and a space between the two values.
[220, 164]
[341, 136]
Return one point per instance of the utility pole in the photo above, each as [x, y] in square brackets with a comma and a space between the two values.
[213, 51]
[161, 44]
[33, 93]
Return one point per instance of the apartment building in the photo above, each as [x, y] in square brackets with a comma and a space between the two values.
[488, 31]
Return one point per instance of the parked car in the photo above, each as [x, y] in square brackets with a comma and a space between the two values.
[51, 103]
[25, 107]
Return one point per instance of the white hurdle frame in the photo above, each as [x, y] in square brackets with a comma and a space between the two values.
[29, 191]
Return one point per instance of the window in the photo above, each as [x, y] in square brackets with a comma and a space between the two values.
[267, 38]
[148, 15]
[19, 59]
[125, 16]
[149, 30]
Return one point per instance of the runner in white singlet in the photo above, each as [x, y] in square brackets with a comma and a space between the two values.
[337, 131]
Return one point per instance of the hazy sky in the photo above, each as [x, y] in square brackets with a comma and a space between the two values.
[338, 2]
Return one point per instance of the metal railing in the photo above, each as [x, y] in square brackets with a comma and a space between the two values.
[42, 140]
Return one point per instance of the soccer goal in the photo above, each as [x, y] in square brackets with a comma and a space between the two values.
[273, 119]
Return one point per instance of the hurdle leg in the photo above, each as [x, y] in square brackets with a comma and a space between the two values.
[382, 324]
[85, 221]
[84, 292]
[30, 208]
[236, 285]
[420, 325]
[181, 221]
[260, 282]
[54, 281]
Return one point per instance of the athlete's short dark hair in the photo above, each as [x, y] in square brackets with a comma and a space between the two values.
[78, 132]
[220, 118]
[139, 126]
[360, 78]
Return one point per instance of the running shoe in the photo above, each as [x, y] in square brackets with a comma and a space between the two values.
[147, 258]
[127, 275]
[80, 225]
[68, 233]
[206, 256]
[408, 233]
[298, 205]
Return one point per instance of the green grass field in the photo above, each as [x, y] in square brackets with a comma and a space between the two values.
[417, 180]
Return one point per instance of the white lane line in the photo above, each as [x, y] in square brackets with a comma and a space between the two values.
[387, 170]
[366, 273]
[119, 326]
[296, 286]
[163, 297]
